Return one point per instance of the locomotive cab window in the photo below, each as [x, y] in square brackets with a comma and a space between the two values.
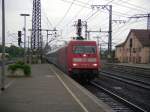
[84, 49]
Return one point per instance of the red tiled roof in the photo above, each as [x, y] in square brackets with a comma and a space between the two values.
[120, 45]
[143, 36]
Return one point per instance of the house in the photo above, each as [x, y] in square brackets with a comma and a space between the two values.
[136, 47]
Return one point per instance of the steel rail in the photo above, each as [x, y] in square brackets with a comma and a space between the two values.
[127, 80]
[131, 105]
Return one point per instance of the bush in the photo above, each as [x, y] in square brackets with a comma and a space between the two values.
[20, 65]
[20, 62]
[27, 70]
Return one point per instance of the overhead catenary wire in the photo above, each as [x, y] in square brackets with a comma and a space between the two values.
[97, 11]
[94, 18]
[128, 7]
[75, 16]
[66, 13]
[123, 28]
[88, 5]
[123, 33]
[78, 12]
[137, 6]
[47, 21]
[76, 3]
[85, 3]
[115, 12]
[119, 12]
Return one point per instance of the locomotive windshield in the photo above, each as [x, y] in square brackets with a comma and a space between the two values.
[84, 49]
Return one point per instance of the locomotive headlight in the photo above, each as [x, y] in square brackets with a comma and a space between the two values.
[84, 55]
[95, 64]
[74, 64]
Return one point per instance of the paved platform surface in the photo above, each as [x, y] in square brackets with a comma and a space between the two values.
[48, 90]
[7, 80]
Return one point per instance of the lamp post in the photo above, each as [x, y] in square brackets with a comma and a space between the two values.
[24, 15]
[3, 47]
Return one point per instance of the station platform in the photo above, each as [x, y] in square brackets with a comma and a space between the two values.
[48, 90]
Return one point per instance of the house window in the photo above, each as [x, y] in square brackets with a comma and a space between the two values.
[130, 43]
[134, 50]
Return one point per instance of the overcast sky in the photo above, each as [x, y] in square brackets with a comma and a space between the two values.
[62, 14]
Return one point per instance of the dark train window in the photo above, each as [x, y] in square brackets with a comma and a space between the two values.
[84, 49]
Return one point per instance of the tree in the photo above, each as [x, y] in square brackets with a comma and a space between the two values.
[13, 51]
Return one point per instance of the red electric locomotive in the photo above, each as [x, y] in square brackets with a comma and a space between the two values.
[79, 59]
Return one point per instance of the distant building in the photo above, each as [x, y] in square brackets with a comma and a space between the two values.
[136, 48]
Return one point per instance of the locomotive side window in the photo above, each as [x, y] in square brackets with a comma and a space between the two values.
[84, 49]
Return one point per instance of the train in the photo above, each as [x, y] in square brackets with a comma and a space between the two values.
[79, 59]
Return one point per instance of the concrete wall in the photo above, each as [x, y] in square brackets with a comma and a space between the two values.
[119, 54]
[145, 54]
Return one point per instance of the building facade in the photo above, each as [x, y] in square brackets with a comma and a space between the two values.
[136, 47]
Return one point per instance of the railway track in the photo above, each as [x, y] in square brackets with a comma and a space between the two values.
[128, 80]
[118, 104]
[133, 70]
[130, 72]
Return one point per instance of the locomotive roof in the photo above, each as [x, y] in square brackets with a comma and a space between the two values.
[82, 41]
[71, 42]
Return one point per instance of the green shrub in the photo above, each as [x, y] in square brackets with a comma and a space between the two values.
[20, 62]
[20, 65]
[27, 70]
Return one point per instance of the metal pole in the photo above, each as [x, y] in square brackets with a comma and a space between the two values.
[28, 43]
[31, 49]
[24, 35]
[28, 52]
[86, 30]
[110, 26]
[110, 32]
[98, 42]
[47, 37]
[100, 50]
[25, 39]
[3, 47]
[148, 21]
[88, 33]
